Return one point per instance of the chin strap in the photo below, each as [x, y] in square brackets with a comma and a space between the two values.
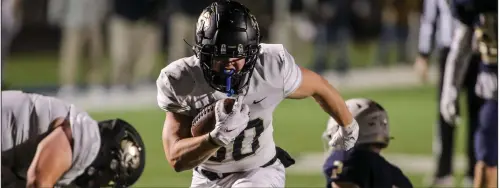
[228, 73]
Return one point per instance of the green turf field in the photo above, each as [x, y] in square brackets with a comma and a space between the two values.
[298, 125]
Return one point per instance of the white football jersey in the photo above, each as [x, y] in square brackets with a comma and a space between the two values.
[183, 89]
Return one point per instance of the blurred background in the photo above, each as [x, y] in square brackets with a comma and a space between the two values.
[104, 55]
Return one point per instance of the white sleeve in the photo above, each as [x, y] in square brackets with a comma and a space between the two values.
[427, 30]
[166, 96]
[86, 143]
[292, 75]
[457, 61]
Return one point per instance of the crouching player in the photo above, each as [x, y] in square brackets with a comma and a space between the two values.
[363, 166]
[47, 142]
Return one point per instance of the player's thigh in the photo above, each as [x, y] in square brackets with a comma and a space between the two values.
[271, 176]
[487, 134]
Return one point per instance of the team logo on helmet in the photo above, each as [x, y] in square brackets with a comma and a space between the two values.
[253, 21]
[223, 48]
[240, 48]
[203, 21]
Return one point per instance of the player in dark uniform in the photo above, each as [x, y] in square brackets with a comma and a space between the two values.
[363, 166]
[479, 27]
[47, 142]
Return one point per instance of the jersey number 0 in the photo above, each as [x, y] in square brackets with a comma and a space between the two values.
[257, 125]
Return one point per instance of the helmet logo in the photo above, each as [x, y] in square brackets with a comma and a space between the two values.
[223, 48]
[203, 21]
[254, 21]
[240, 48]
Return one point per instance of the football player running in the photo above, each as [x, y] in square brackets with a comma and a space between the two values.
[478, 27]
[47, 142]
[230, 61]
[363, 166]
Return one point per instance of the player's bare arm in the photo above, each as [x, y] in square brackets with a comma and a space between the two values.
[325, 94]
[183, 151]
[53, 157]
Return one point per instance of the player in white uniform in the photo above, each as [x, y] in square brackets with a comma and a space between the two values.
[47, 142]
[230, 61]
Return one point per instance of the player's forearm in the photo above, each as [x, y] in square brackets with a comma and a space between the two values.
[325, 94]
[37, 178]
[37, 183]
[190, 152]
[332, 102]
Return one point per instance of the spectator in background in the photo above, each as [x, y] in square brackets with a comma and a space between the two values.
[11, 24]
[135, 42]
[365, 21]
[395, 29]
[82, 24]
[182, 20]
[332, 38]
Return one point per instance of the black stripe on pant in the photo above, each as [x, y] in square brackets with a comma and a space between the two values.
[446, 132]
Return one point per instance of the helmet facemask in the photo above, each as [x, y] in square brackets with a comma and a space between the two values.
[224, 80]
[227, 30]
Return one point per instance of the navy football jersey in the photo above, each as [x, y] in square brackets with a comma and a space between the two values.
[363, 168]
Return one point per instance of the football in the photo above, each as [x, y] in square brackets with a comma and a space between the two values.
[204, 122]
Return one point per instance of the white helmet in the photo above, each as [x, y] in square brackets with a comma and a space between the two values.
[372, 120]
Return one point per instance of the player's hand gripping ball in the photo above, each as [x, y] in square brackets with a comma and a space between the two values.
[204, 122]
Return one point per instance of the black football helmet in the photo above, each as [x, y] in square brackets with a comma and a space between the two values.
[227, 29]
[121, 158]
